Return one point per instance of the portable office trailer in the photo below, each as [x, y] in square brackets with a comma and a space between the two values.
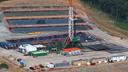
[62, 64]
[117, 58]
[38, 53]
[71, 51]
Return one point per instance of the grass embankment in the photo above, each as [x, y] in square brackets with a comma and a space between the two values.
[122, 24]
[105, 21]
[3, 65]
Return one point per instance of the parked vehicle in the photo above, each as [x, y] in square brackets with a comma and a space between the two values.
[50, 65]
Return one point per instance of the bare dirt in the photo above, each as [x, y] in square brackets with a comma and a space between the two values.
[15, 3]
[116, 67]
[98, 18]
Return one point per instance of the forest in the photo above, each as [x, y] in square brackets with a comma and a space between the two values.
[117, 8]
[2, 0]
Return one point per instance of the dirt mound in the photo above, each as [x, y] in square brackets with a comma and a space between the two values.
[14, 3]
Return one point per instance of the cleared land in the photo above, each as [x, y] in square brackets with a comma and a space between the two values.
[14, 3]
[119, 67]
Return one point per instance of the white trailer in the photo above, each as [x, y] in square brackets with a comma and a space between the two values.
[117, 58]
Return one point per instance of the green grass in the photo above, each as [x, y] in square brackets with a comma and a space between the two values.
[2, 65]
[122, 24]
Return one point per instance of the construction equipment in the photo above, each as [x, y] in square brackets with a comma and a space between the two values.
[71, 21]
[55, 46]
[71, 40]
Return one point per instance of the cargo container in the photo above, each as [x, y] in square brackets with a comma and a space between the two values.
[39, 53]
[62, 64]
[70, 49]
[117, 58]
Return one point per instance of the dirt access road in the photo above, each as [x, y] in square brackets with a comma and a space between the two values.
[116, 67]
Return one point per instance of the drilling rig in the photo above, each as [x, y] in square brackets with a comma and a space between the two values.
[72, 40]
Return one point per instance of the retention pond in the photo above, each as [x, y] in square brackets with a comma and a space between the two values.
[36, 13]
[46, 29]
[41, 21]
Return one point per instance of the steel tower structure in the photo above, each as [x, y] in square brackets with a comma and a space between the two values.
[71, 21]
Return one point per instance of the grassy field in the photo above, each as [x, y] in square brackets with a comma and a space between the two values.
[3, 66]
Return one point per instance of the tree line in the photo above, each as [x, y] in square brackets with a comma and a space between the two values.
[117, 8]
[2, 0]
